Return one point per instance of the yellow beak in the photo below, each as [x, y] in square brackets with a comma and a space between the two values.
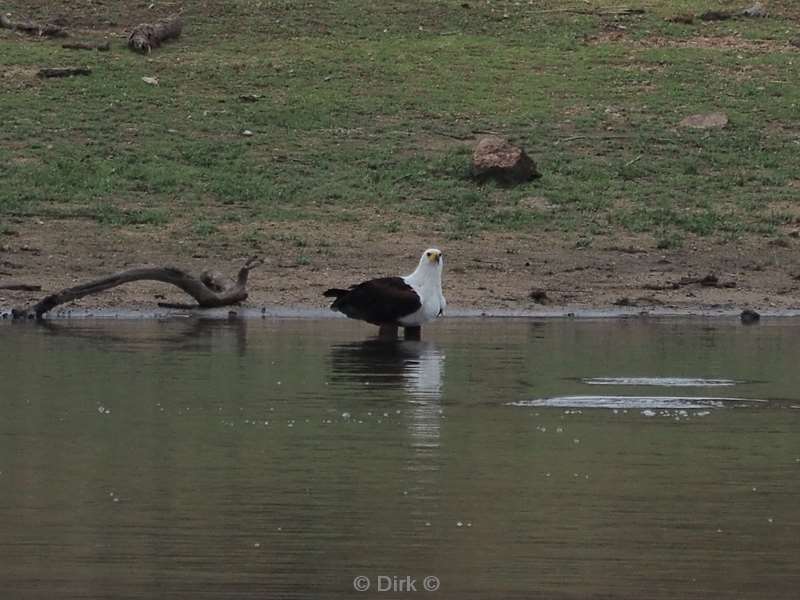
[434, 257]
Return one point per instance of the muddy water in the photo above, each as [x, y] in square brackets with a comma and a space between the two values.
[507, 458]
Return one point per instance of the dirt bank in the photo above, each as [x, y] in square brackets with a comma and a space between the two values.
[490, 271]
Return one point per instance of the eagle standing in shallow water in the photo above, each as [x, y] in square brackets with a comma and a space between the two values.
[392, 302]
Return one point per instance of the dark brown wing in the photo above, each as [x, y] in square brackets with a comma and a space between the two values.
[378, 301]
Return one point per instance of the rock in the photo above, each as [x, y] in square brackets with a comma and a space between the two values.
[714, 120]
[795, 42]
[757, 10]
[749, 316]
[150, 80]
[496, 158]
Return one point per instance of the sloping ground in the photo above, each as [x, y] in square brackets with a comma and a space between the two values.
[362, 120]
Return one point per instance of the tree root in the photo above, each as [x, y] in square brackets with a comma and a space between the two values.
[210, 290]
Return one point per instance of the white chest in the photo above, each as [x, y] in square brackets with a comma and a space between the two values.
[432, 306]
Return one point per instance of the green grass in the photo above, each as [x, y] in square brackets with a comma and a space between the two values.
[204, 228]
[366, 106]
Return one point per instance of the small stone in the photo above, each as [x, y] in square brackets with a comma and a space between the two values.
[247, 133]
[749, 316]
[498, 159]
[150, 80]
[714, 120]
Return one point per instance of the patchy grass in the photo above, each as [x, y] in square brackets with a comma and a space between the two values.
[368, 107]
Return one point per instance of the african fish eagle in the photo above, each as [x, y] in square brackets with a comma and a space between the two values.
[392, 302]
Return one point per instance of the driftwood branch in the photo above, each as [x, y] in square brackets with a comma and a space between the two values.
[210, 290]
[63, 72]
[147, 36]
[40, 29]
[99, 46]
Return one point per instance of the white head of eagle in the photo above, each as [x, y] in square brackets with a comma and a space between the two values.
[407, 301]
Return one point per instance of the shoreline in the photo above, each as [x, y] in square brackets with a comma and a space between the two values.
[306, 312]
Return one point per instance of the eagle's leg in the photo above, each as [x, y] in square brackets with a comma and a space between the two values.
[412, 333]
[387, 332]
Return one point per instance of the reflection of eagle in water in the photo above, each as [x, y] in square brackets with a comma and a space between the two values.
[413, 366]
[409, 366]
[392, 302]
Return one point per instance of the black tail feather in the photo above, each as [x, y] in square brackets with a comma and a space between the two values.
[335, 293]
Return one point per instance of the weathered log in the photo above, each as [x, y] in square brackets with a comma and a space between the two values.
[717, 15]
[147, 36]
[40, 29]
[208, 290]
[99, 46]
[63, 72]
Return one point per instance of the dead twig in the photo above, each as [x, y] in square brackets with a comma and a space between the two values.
[601, 137]
[610, 11]
[32, 28]
[453, 136]
[632, 161]
[20, 287]
[707, 281]
[210, 290]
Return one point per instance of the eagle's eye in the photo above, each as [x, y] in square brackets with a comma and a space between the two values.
[427, 253]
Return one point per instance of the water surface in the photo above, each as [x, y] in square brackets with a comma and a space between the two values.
[508, 458]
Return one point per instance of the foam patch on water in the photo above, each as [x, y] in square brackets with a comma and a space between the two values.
[660, 381]
[623, 402]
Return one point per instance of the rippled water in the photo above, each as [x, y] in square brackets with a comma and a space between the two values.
[508, 458]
